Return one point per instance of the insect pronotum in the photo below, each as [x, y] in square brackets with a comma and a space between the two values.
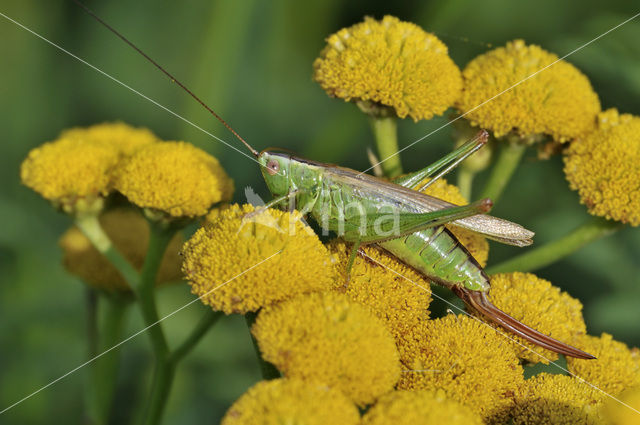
[363, 209]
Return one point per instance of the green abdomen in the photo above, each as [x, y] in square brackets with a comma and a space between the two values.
[435, 252]
[439, 256]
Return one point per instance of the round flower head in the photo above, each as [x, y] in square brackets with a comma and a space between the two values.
[618, 414]
[291, 401]
[557, 101]
[173, 177]
[129, 232]
[557, 399]
[75, 171]
[419, 408]
[214, 214]
[466, 359]
[401, 303]
[233, 245]
[540, 305]
[329, 339]
[475, 244]
[615, 368]
[118, 135]
[603, 168]
[68, 171]
[389, 62]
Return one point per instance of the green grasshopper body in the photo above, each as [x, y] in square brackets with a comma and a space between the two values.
[408, 224]
[349, 204]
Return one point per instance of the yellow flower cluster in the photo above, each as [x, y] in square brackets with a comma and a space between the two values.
[327, 338]
[389, 62]
[117, 135]
[615, 369]
[419, 408]
[522, 88]
[625, 410]
[292, 401]
[223, 259]
[557, 399]
[365, 339]
[174, 177]
[477, 245]
[129, 233]
[540, 305]
[78, 166]
[84, 165]
[603, 168]
[466, 359]
[68, 170]
[400, 302]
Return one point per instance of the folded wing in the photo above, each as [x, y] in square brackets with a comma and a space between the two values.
[493, 228]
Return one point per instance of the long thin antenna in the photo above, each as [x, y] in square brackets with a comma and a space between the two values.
[167, 73]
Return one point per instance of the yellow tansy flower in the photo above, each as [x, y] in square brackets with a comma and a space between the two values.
[235, 240]
[76, 170]
[124, 138]
[477, 245]
[419, 408]
[389, 62]
[291, 401]
[466, 359]
[215, 213]
[618, 414]
[327, 338]
[558, 101]
[69, 170]
[129, 232]
[557, 399]
[615, 368]
[540, 305]
[173, 177]
[635, 355]
[603, 168]
[398, 301]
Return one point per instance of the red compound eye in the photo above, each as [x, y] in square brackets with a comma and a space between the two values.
[273, 167]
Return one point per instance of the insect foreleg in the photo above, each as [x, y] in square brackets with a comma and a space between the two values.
[272, 203]
[443, 165]
[275, 201]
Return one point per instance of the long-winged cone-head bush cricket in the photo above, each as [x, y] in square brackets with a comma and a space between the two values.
[363, 209]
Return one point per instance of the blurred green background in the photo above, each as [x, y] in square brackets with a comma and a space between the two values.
[251, 61]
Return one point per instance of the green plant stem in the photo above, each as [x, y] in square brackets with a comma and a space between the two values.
[92, 320]
[385, 132]
[143, 285]
[465, 182]
[90, 226]
[268, 370]
[159, 238]
[591, 230]
[163, 374]
[209, 319]
[105, 368]
[508, 159]
[164, 370]
[92, 412]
